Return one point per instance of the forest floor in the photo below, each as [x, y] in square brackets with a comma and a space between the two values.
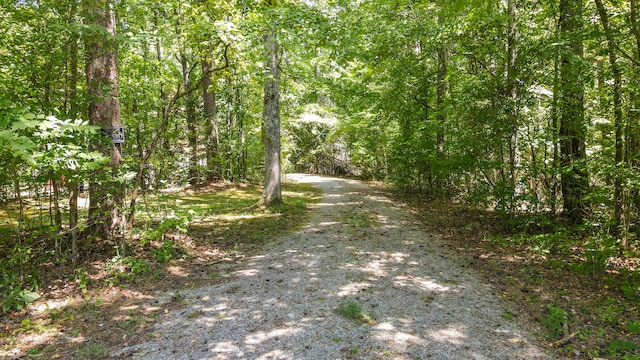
[366, 278]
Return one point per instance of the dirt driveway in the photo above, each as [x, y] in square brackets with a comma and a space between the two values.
[361, 281]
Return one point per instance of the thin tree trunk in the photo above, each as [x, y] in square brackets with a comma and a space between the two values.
[242, 157]
[554, 135]
[633, 126]
[191, 122]
[511, 97]
[73, 114]
[167, 111]
[210, 113]
[441, 94]
[57, 214]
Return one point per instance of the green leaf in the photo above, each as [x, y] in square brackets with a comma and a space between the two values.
[633, 327]
[29, 296]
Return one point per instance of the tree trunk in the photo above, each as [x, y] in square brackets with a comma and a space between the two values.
[511, 98]
[272, 194]
[73, 114]
[553, 193]
[210, 113]
[57, 214]
[191, 121]
[633, 126]
[104, 111]
[574, 177]
[441, 94]
[620, 207]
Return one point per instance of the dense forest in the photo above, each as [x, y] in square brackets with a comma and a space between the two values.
[530, 109]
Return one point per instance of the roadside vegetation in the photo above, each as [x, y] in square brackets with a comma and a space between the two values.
[184, 238]
[584, 296]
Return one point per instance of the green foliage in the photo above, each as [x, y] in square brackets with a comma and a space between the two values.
[167, 251]
[352, 310]
[83, 279]
[17, 298]
[170, 224]
[313, 145]
[92, 350]
[555, 321]
[18, 284]
[15, 126]
[616, 347]
[136, 266]
[633, 327]
[127, 268]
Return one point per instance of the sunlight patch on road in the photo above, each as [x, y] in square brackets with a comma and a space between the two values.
[424, 284]
[395, 338]
[451, 335]
[228, 347]
[248, 272]
[260, 337]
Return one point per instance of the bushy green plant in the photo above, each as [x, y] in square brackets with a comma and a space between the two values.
[127, 268]
[15, 297]
[166, 251]
[16, 291]
[555, 321]
[83, 279]
[176, 223]
[136, 265]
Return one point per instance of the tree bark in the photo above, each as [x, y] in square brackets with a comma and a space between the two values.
[72, 113]
[511, 97]
[620, 212]
[210, 113]
[574, 177]
[272, 194]
[441, 94]
[633, 115]
[191, 121]
[104, 111]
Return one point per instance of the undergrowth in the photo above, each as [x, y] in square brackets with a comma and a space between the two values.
[575, 281]
[181, 230]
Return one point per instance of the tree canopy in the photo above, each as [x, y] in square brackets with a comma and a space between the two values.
[522, 107]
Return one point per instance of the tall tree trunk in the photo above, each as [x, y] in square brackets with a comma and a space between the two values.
[104, 111]
[511, 97]
[272, 194]
[73, 111]
[242, 153]
[633, 125]
[210, 113]
[191, 121]
[620, 205]
[441, 94]
[574, 177]
[553, 193]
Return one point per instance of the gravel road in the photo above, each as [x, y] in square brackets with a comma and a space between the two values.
[359, 248]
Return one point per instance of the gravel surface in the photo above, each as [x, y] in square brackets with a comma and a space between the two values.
[358, 248]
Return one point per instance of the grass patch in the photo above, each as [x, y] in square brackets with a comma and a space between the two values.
[352, 310]
[92, 351]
